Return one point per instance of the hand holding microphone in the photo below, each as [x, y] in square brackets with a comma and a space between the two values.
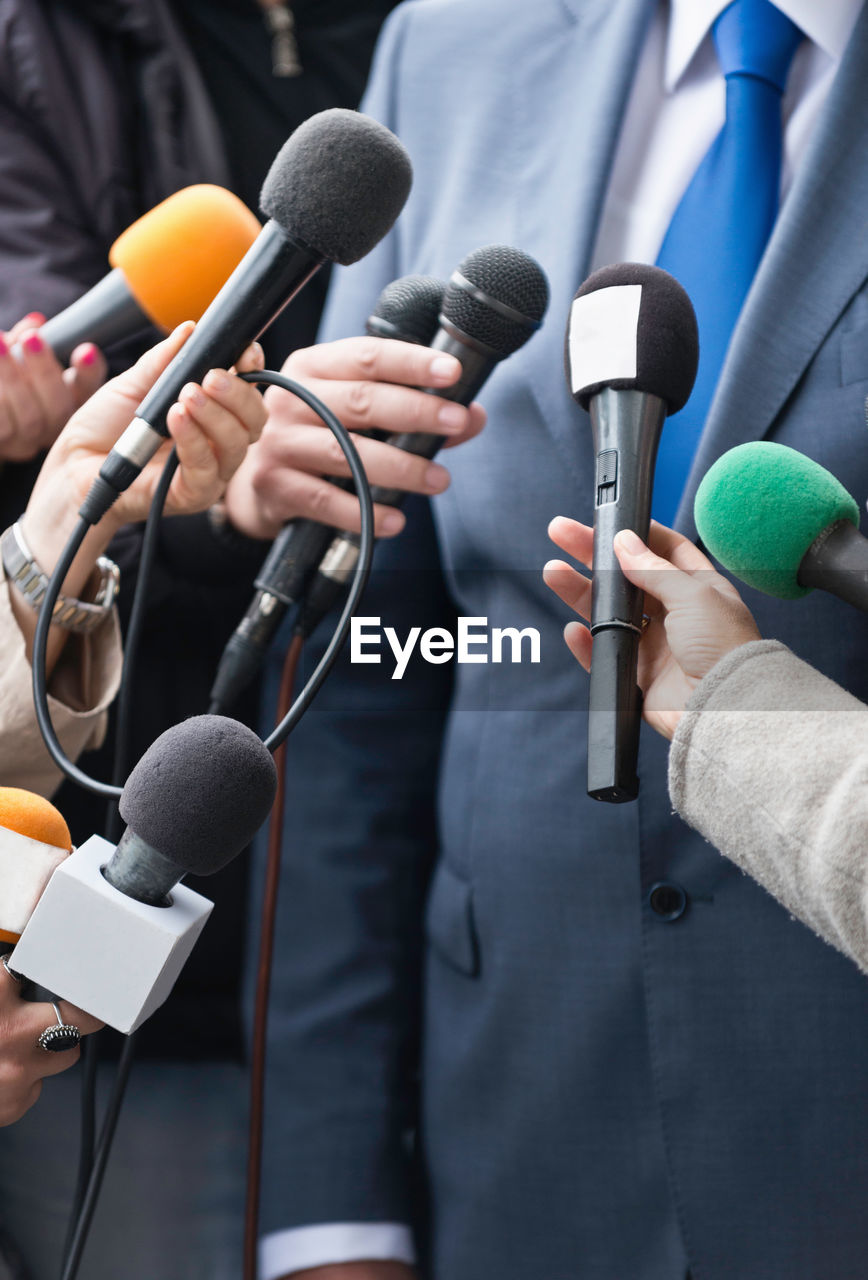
[696, 616]
[211, 426]
[37, 395]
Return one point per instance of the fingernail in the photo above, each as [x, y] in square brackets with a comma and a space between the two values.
[4, 348]
[33, 343]
[436, 478]
[628, 541]
[392, 522]
[217, 381]
[194, 395]
[442, 368]
[88, 356]
[452, 417]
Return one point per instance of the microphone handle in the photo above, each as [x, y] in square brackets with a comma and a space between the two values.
[106, 314]
[837, 562]
[268, 277]
[626, 426]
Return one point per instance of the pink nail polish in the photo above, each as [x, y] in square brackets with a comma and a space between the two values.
[88, 356]
[33, 343]
[35, 319]
[4, 348]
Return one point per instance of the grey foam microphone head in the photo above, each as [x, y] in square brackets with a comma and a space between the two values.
[200, 793]
[408, 309]
[632, 328]
[337, 184]
[498, 296]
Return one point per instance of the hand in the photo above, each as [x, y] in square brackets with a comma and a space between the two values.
[696, 615]
[369, 383]
[356, 1271]
[24, 1064]
[211, 427]
[37, 395]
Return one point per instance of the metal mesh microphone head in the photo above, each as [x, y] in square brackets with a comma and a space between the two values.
[408, 309]
[497, 296]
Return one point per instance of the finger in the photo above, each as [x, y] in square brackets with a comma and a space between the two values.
[33, 320]
[569, 585]
[674, 547]
[477, 420]
[253, 358]
[296, 493]
[375, 360]
[134, 383]
[241, 399]
[381, 406]
[22, 418]
[318, 452]
[222, 431]
[656, 576]
[86, 373]
[573, 537]
[198, 474]
[579, 643]
[43, 373]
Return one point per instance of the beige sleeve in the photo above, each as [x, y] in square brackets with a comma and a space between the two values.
[82, 686]
[770, 763]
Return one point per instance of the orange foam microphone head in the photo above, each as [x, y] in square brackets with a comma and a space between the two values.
[177, 257]
[34, 839]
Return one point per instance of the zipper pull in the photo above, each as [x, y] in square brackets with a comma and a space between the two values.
[285, 60]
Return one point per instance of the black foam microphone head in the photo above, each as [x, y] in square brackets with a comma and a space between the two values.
[497, 296]
[637, 332]
[409, 309]
[337, 184]
[200, 792]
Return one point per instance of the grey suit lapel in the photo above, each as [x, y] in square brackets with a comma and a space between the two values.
[816, 260]
[582, 117]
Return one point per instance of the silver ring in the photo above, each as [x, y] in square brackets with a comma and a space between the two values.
[60, 1037]
[16, 977]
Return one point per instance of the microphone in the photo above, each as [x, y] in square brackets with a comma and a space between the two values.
[333, 191]
[494, 301]
[34, 840]
[780, 522]
[167, 267]
[631, 353]
[114, 927]
[408, 310]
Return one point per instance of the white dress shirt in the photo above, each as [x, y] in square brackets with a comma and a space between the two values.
[676, 109]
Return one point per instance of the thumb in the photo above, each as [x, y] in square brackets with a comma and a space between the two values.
[134, 383]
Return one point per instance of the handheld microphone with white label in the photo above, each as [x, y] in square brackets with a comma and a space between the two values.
[333, 191]
[408, 310]
[495, 300]
[113, 927]
[167, 267]
[783, 524]
[631, 352]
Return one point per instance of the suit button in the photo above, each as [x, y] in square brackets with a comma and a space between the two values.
[667, 900]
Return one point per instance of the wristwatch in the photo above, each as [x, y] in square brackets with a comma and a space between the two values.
[31, 583]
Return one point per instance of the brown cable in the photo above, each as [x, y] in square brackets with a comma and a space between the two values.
[263, 975]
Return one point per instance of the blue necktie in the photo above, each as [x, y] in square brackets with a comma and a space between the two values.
[719, 231]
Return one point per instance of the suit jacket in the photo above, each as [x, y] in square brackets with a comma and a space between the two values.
[613, 1082]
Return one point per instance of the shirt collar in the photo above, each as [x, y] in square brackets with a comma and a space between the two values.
[828, 24]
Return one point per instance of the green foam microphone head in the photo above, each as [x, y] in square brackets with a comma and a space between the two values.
[759, 509]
